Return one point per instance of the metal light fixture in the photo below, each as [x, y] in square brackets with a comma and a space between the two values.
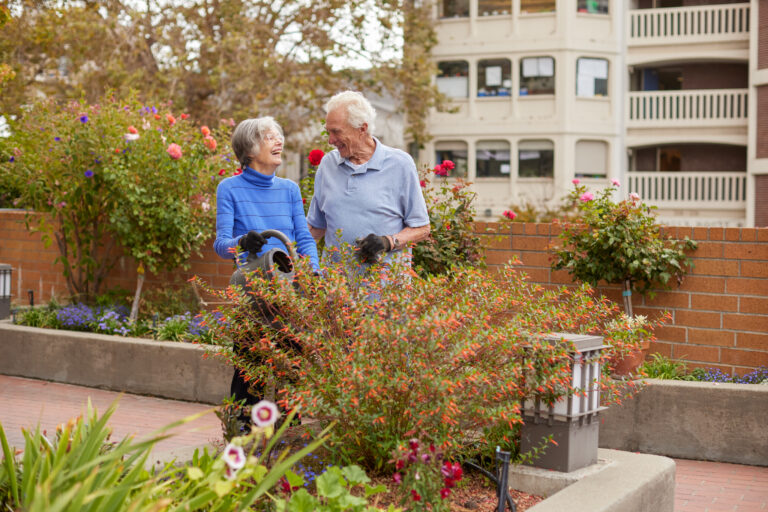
[5, 290]
[571, 421]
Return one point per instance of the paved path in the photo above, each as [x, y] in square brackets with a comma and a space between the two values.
[701, 486]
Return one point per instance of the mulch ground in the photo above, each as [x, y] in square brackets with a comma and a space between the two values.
[474, 493]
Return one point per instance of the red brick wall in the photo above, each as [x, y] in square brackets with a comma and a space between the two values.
[761, 144]
[762, 35]
[719, 314]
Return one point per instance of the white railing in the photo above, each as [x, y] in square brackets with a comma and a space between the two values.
[683, 23]
[704, 190]
[708, 106]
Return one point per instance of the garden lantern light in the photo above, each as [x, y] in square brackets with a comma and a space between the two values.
[5, 290]
[572, 420]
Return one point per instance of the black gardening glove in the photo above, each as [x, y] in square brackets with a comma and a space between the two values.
[369, 248]
[252, 242]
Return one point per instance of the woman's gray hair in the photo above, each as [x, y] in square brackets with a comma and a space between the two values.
[359, 109]
[248, 136]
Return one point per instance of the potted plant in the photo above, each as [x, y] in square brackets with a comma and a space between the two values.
[619, 242]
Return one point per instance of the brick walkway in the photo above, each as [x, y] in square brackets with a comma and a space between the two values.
[701, 486]
[27, 403]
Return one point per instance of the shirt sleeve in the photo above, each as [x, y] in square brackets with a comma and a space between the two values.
[225, 221]
[305, 243]
[415, 212]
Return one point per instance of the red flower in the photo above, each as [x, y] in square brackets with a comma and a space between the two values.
[315, 156]
[210, 142]
[174, 150]
[414, 444]
[131, 129]
[448, 165]
[117, 150]
[184, 116]
[444, 492]
[238, 171]
[303, 200]
[157, 116]
[399, 464]
[205, 131]
[509, 214]
[439, 171]
[416, 496]
[397, 477]
[423, 183]
[171, 119]
[222, 172]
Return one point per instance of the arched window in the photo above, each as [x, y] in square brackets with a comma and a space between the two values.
[453, 78]
[494, 77]
[454, 150]
[537, 75]
[536, 159]
[591, 159]
[492, 158]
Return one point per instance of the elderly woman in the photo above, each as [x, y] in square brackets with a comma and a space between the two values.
[257, 200]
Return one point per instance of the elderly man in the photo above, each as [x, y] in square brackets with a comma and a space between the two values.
[369, 191]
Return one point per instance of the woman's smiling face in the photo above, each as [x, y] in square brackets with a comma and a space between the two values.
[270, 154]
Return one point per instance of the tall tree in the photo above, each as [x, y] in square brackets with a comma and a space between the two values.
[221, 58]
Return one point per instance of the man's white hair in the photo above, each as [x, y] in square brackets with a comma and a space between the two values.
[359, 109]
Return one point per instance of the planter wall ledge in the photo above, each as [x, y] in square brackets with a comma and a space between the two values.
[133, 365]
[692, 420]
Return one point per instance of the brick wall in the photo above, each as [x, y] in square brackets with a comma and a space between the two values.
[762, 35]
[761, 142]
[719, 314]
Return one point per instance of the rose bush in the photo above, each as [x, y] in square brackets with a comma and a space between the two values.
[618, 242]
[116, 172]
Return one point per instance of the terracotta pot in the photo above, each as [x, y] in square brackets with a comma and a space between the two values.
[631, 362]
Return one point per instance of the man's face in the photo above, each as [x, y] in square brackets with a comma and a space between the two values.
[348, 140]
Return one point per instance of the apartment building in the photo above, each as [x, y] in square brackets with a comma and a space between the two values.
[668, 96]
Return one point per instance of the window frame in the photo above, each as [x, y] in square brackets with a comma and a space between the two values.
[521, 147]
[539, 58]
[508, 162]
[579, 65]
[482, 70]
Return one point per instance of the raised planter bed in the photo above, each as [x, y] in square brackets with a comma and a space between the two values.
[134, 365]
[692, 420]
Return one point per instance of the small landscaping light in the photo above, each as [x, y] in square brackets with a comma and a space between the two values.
[572, 420]
[5, 290]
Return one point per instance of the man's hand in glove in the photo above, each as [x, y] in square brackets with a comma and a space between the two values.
[369, 248]
[252, 242]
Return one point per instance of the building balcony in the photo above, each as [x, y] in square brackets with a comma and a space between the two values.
[699, 108]
[684, 25]
[693, 199]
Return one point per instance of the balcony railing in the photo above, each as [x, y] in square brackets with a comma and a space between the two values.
[708, 107]
[683, 24]
[687, 190]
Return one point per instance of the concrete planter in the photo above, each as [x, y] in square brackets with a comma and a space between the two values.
[134, 365]
[692, 420]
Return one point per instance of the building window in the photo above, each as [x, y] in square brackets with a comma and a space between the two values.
[537, 76]
[493, 7]
[492, 158]
[591, 159]
[536, 159]
[453, 78]
[591, 77]
[593, 6]
[455, 151]
[494, 77]
[530, 6]
[669, 160]
[454, 8]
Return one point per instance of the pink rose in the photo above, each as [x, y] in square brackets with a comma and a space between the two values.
[615, 182]
[586, 196]
[576, 181]
[510, 214]
[174, 150]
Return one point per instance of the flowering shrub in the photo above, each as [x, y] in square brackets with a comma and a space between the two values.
[112, 172]
[618, 242]
[424, 478]
[452, 240]
[425, 357]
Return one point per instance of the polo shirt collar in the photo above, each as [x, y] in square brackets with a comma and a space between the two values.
[376, 163]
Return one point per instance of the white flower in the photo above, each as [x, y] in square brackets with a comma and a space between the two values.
[131, 136]
[206, 206]
[234, 456]
[264, 414]
[230, 473]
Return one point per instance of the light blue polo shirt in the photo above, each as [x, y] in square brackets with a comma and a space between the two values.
[381, 196]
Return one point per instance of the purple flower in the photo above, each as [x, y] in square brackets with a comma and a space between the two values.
[13, 159]
[57, 138]
[88, 173]
[83, 118]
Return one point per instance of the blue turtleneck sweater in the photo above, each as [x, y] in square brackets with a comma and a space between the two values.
[253, 201]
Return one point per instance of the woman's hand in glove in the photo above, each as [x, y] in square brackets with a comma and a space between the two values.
[253, 241]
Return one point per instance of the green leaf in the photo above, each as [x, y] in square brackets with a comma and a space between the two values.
[194, 473]
[370, 491]
[329, 484]
[302, 501]
[355, 475]
[222, 487]
[294, 480]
